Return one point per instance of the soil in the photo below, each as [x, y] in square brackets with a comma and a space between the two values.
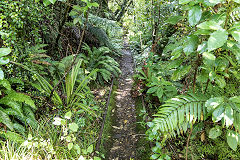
[124, 130]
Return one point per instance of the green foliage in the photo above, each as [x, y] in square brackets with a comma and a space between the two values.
[69, 132]
[213, 148]
[19, 107]
[178, 114]
[100, 60]
[203, 59]
[3, 60]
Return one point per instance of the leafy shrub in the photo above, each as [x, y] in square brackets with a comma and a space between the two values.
[100, 60]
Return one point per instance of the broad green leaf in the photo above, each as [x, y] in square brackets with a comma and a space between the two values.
[217, 39]
[232, 139]
[236, 35]
[235, 99]
[77, 7]
[155, 156]
[202, 32]
[73, 127]
[216, 1]
[94, 4]
[237, 1]
[174, 19]
[76, 20]
[212, 25]
[70, 146]
[180, 72]
[4, 60]
[68, 138]
[194, 15]
[176, 53]
[68, 115]
[159, 92]
[202, 47]
[236, 51]
[215, 132]
[213, 103]
[46, 2]
[77, 148]
[14, 105]
[96, 158]
[190, 44]
[228, 116]
[73, 13]
[209, 59]
[4, 51]
[152, 90]
[5, 83]
[220, 81]
[212, 75]
[218, 114]
[19, 128]
[52, 1]
[57, 121]
[90, 149]
[184, 1]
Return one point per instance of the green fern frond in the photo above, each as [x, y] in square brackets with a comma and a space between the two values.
[14, 105]
[104, 23]
[105, 74]
[180, 111]
[117, 69]
[5, 84]
[4, 118]
[12, 112]
[87, 48]
[28, 112]
[19, 128]
[18, 97]
[28, 121]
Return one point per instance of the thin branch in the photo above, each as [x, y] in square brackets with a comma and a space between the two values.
[79, 46]
[189, 136]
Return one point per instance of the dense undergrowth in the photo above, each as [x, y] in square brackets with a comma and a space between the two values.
[54, 53]
[187, 54]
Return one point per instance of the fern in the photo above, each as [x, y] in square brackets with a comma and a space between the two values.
[18, 97]
[104, 23]
[106, 65]
[15, 106]
[4, 118]
[178, 112]
[106, 75]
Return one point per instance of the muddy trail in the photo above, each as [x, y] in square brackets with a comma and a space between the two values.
[124, 129]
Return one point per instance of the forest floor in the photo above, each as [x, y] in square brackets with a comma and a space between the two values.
[124, 129]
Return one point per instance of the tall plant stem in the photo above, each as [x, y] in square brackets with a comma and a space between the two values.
[195, 73]
[188, 141]
[79, 47]
[229, 6]
[62, 23]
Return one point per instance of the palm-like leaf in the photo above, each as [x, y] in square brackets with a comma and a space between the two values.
[178, 112]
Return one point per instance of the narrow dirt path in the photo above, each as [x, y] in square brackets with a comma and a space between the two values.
[124, 139]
